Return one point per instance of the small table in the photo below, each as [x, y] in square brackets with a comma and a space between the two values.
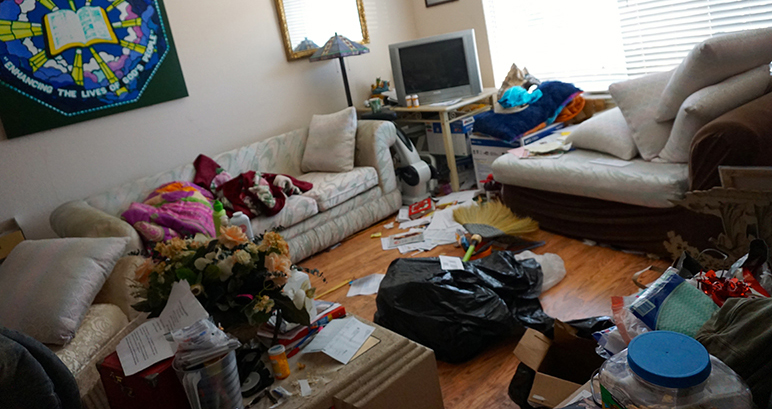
[445, 115]
[395, 373]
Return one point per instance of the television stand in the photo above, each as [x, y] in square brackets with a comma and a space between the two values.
[445, 114]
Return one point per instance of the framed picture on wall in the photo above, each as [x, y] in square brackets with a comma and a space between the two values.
[68, 61]
[430, 3]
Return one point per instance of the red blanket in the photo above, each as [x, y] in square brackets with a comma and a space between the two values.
[246, 192]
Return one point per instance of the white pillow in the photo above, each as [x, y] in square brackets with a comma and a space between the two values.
[331, 142]
[606, 132]
[713, 61]
[638, 99]
[708, 104]
[48, 285]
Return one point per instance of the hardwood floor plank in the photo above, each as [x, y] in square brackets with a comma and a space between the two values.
[594, 274]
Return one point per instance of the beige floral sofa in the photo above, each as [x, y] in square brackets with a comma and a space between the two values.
[339, 205]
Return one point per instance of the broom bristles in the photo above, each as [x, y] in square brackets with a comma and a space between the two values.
[495, 214]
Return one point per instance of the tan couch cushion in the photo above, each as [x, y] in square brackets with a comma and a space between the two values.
[641, 183]
[332, 189]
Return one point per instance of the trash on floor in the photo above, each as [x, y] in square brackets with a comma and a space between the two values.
[366, 285]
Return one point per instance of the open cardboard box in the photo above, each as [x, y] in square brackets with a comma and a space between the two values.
[562, 365]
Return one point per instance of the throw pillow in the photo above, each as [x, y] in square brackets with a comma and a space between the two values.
[606, 132]
[708, 104]
[713, 61]
[638, 99]
[331, 142]
[48, 285]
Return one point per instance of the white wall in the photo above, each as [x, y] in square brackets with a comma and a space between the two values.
[456, 16]
[242, 89]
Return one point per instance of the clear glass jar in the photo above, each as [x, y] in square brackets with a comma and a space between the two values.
[663, 369]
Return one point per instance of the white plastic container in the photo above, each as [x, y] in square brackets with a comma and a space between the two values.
[241, 220]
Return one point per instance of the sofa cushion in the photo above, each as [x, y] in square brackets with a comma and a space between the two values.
[640, 183]
[638, 99]
[708, 104]
[332, 189]
[101, 323]
[713, 61]
[331, 142]
[297, 209]
[606, 132]
[48, 285]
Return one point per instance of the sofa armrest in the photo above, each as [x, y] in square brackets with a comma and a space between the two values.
[79, 219]
[118, 290]
[740, 137]
[374, 138]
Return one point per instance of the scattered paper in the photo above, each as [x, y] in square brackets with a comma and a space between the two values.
[388, 225]
[518, 152]
[403, 215]
[340, 339]
[544, 146]
[424, 246]
[305, 388]
[365, 285]
[617, 163]
[460, 197]
[401, 239]
[415, 223]
[451, 263]
[147, 344]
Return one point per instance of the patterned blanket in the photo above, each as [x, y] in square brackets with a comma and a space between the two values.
[176, 209]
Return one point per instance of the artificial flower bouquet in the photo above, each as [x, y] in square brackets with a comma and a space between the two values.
[236, 280]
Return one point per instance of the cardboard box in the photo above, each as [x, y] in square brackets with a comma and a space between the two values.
[486, 149]
[460, 131]
[562, 365]
[10, 236]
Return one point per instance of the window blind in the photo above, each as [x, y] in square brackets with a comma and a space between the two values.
[598, 42]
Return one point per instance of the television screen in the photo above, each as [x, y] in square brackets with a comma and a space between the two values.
[433, 66]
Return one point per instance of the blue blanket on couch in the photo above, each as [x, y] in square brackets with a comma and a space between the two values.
[510, 127]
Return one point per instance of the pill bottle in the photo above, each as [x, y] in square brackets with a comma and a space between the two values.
[279, 362]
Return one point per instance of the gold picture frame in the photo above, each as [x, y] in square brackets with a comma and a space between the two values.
[285, 31]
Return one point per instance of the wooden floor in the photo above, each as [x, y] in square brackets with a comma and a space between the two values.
[594, 275]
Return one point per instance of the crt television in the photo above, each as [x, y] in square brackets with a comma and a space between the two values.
[438, 68]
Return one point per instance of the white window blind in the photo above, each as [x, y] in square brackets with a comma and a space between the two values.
[597, 42]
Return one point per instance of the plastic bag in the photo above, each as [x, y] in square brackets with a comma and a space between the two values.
[458, 313]
[201, 342]
[552, 267]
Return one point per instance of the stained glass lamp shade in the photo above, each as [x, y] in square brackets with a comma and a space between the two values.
[338, 47]
[306, 45]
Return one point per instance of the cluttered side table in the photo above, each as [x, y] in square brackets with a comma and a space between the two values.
[389, 371]
[446, 114]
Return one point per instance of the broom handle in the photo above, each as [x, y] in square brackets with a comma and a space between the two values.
[476, 239]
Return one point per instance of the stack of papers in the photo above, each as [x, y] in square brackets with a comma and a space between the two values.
[340, 339]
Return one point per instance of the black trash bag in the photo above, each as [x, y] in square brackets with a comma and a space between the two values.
[458, 313]
[585, 327]
[520, 386]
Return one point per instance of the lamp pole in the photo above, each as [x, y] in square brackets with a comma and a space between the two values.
[345, 81]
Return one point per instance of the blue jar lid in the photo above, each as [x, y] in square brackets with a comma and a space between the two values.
[669, 359]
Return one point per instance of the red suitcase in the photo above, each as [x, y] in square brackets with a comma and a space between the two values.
[156, 387]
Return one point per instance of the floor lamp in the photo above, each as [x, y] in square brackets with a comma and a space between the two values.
[338, 47]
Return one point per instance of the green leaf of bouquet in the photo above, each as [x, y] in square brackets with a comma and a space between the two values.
[212, 272]
[289, 312]
[187, 274]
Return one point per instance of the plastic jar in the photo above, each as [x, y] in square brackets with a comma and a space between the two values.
[664, 369]
[279, 362]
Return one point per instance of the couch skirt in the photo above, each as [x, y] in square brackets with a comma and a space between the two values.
[625, 226]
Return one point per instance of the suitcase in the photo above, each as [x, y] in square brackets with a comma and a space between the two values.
[156, 387]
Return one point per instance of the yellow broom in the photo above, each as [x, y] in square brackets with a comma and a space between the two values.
[491, 220]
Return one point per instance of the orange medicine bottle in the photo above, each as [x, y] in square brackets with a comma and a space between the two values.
[279, 362]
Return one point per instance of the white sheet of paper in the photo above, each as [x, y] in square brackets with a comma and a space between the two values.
[341, 339]
[365, 285]
[425, 245]
[305, 388]
[403, 215]
[461, 197]
[147, 345]
[451, 263]
[617, 163]
[415, 223]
